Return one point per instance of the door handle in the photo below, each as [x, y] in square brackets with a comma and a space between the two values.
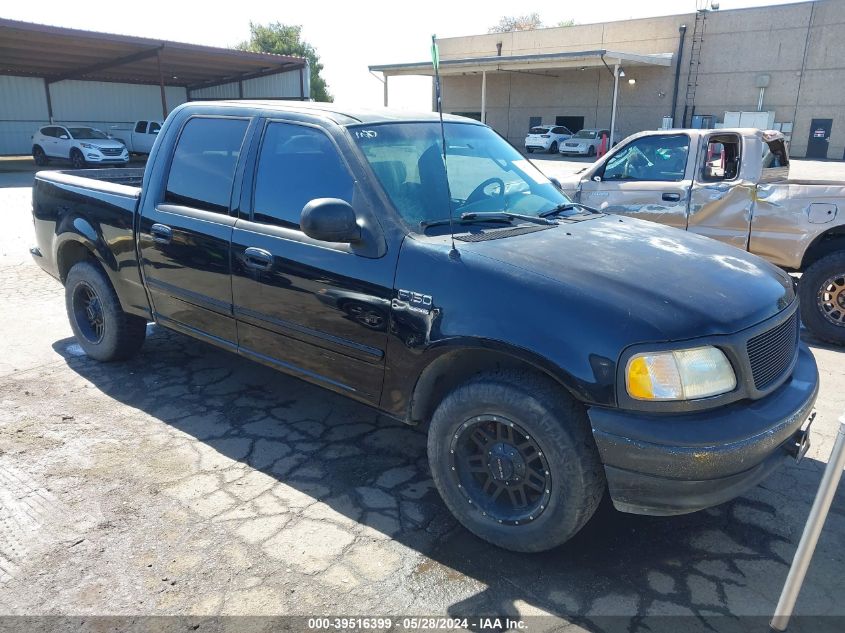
[162, 234]
[257, 258]
[671, 197]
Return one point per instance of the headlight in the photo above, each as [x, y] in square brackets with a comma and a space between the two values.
[89, 146]
[679, 374]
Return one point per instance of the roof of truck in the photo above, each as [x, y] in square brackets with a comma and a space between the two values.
[343, 114]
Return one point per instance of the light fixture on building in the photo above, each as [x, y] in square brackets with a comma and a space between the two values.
[632, 81]
[621, 72]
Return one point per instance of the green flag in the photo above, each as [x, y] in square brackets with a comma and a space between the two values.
[435, 53]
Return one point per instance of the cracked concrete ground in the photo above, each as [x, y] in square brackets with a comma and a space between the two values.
[190, 481]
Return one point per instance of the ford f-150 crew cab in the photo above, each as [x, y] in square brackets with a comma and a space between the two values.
[733, 185]
[555, 353]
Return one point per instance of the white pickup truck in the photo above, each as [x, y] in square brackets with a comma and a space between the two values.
[140, 138]
[732, 185]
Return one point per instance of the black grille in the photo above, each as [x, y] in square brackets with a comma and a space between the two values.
[111, 151]
[771, 352]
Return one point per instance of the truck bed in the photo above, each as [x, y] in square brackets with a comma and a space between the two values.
[131, 177]
[95, 208]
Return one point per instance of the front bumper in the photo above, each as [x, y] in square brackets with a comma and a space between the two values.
[573, 150]
[679, 463]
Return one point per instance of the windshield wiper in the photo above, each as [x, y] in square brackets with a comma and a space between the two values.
[503, 216]
[567, 206]
[471, 217]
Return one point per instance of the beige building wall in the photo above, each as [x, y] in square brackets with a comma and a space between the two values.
[801, 47]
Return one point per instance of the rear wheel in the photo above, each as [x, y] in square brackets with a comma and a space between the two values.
[102, 329]
[553, 148]
[40, 156]
[514, 460]
[77, 159]
[822, 293]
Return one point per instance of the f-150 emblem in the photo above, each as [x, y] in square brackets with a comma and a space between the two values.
[416, 301]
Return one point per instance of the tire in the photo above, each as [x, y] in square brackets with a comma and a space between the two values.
[102, 329]
[549, 433]
[529, 150]
[553, 148]
[40, 156]
[591, 151]
[77, 159]
[822, 293]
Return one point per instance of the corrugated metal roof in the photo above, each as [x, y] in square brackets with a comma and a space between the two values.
[55, 53]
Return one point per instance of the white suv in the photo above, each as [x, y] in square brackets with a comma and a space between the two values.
[547, 138]
[82, 146]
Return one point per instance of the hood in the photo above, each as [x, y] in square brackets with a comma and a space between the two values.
[103, 142]
[661, 282]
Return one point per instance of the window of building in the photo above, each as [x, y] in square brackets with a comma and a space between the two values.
[203, 169]
[653, 158]
[296, 165]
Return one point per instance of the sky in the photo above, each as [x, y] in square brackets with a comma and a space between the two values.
[349, 36]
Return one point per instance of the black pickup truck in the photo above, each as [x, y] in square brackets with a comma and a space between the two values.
[554, 352]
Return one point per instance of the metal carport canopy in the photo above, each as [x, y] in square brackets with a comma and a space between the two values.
[539, 62]
[55, 54]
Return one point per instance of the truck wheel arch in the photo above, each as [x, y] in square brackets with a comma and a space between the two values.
[456, 365]
[828, 242]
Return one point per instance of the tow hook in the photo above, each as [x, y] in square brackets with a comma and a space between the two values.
[798, 446]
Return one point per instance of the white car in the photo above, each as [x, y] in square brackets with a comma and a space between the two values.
[82, 146]
[586, 142]
[547, 138]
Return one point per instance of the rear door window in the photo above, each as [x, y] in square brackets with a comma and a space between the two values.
[203, 169]
[296, 164]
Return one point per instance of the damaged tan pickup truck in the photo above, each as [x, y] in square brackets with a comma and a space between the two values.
[732, 185]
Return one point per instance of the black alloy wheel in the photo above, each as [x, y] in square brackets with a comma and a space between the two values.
[88, 312]
[501, 469]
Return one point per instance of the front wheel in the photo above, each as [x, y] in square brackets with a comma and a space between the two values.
[77, 159]
[103, 330]
[822, 293]
[529, 150]
[513, 457]
[39, 156]
[553, 148]
[591, 151]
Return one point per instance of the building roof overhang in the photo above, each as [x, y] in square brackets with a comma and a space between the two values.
[534, 62]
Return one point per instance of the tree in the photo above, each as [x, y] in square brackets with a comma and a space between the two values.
[569, 22]
[517, 23]
[285, 39]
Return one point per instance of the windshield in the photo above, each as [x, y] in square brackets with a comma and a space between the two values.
[586, 134]
[86, 133]
[485, 172]
[539, 130]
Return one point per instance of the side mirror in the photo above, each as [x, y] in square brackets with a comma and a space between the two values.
[330, 220]
[64, 137]
[596, 179]
[556, 183]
